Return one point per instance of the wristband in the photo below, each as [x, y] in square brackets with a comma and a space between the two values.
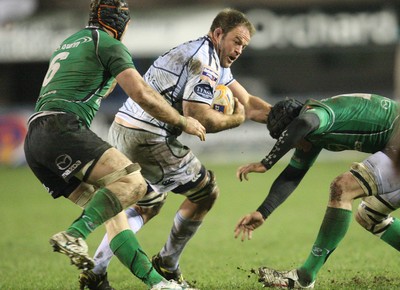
[263, 211]
[266, 164]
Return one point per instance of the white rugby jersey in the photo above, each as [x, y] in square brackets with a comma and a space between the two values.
[189, 72]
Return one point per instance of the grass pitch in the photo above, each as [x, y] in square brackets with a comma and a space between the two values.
[213, 259]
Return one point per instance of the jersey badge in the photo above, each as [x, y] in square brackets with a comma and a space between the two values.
[209, 75]
[204, 91]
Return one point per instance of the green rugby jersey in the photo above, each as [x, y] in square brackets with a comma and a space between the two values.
[362, 122]
[82, 72]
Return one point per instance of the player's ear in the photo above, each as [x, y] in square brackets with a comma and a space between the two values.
[218, 32]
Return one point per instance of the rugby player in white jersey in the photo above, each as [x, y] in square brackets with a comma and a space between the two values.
[186, 76]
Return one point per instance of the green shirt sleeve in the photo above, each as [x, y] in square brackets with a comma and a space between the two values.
[114, 55]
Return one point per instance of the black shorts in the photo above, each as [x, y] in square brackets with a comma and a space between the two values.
[57, 146]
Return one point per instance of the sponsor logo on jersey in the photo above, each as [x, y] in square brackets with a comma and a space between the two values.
[209, 75]
[204, 91]
[76, 43]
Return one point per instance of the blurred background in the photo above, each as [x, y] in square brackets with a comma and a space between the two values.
[302, 48]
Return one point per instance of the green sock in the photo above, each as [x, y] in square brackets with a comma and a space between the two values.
[392, 235]
[333, 228]
[103, 206]
[126, 247]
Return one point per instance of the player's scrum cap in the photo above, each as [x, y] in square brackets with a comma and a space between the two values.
[110, 14]
[281, 115]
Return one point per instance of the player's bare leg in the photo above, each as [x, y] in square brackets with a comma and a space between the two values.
[344, 189]
[116, 184]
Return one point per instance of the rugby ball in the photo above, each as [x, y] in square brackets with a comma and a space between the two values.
[223, 100]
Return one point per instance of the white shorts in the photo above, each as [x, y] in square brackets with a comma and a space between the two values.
[386, 177]
[166, 163]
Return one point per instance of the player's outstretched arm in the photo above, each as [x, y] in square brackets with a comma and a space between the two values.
[244, 170]
[256, 108]
[248, 224]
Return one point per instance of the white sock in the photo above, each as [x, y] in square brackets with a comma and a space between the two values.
[103, 255]
[182, 231]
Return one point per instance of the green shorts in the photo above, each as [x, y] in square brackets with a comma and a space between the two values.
[57, 146]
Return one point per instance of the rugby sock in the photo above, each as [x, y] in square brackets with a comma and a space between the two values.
[135, 220]
[181, 232]
[104, 254]
[126, 247]
[103, 206]
[333, 229]
[392, 235]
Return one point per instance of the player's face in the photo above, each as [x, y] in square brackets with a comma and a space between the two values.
[232, 44]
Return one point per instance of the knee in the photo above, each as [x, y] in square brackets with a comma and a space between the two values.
[150, 205]
[373, 217]
[129, 189]
[205, 193]
[362, 217]
[336, 189]
[147, 213]
[208, 201]
[342, 189]
[209, 192]
[127, 184]
[136, 187]
[153, 211]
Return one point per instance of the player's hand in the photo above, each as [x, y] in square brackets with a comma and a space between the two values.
[248, 224]
[239, 109]
[194, 127]
[243, 170]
